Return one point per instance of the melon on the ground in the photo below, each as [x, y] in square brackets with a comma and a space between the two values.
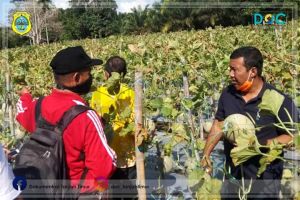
[207, 126]
[168, 164]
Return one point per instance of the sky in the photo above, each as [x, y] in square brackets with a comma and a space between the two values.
[123, 6]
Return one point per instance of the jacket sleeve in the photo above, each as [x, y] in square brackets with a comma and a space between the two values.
[26, 112]
[100, 159]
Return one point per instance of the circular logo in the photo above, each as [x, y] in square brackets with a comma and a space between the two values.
[101, 184]
[22, 23]
[269, 19]
[19, 183]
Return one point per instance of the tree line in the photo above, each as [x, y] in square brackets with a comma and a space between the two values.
[99, 18]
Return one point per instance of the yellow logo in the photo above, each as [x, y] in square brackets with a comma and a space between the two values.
[21, 23]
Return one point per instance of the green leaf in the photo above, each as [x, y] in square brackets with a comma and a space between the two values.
[195, 178]
[128, 128]
[193, 88]
[156, 103]
[166, 110]
[287, 75]
[271, 102]
[168, 149]
[167, 100]
[274, 152]
[247, 146]
[174, 113]
[113, 83]
[200, 144]
[187, 103]
[297, 141]
[178, 128]
[298, 101]
[126, 113]
[209, 189]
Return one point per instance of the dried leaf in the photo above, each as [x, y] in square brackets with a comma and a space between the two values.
[141, 137]
[136, 49]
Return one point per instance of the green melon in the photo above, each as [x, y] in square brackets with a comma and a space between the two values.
[207, 126]
[237, 124]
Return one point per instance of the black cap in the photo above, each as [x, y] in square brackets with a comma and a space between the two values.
[72, 59]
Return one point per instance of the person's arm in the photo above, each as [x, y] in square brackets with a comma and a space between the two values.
[26, 110]
[284, 137]
[100, 159]
[214, 137]
[85, 134]
[6, 178]
[281, 139]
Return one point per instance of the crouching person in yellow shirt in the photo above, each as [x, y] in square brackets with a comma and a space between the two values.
[114, 101]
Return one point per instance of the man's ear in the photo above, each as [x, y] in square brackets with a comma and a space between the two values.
[106, 75]
[253, 72]
[76, 78]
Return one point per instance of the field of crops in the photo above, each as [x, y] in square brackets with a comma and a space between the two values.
[168, 62]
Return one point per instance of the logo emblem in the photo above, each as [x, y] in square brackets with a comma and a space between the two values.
[101, 184]
[19, 183]
[21, 23]
[269, 19]
[257, 115]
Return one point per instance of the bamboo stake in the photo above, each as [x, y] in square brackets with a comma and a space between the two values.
[47, 37]
[10, 101]
[201, 121]
[190, 117]
[140, 167]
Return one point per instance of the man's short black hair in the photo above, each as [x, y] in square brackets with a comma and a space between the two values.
[116, 64]
[252, 57]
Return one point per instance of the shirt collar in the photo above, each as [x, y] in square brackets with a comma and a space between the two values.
[71, 95]
[236, 93]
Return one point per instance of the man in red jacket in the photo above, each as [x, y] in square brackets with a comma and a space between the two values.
[72, 73]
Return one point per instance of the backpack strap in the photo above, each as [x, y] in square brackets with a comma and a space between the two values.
[40, 122]
[69, 115]
[38, 108]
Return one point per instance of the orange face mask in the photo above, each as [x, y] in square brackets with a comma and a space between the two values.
[246, 85]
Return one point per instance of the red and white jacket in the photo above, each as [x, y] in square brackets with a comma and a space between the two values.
[85, 133]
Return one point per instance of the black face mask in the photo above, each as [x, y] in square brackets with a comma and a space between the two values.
[81, 89]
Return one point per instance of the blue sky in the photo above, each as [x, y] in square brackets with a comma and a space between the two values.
[123, 6]
[4, 7]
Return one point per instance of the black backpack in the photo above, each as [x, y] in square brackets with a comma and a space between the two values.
[41, 160]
